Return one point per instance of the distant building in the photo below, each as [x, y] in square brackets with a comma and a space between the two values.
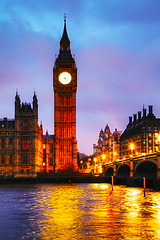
[141, 135]
[107, 149]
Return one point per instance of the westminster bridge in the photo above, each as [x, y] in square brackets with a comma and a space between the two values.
[135, 167]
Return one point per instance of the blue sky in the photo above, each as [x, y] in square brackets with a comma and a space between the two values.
[117, 50]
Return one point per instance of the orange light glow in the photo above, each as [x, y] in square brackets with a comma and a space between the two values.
[131, 146]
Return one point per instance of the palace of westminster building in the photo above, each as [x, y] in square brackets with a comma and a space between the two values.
[24, 150]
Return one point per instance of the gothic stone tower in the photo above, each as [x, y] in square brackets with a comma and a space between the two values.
[28, 138]
[65, 87]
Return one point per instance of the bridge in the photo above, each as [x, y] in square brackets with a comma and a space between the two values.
[134, 167]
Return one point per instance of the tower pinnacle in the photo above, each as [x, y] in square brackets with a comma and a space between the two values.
[65, 42]
[65, 55]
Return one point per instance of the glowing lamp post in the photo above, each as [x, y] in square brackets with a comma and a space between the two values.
[114, 156]
[95, 159]
[81, 162]
[131, 147]
[103, 156]
[158, 141]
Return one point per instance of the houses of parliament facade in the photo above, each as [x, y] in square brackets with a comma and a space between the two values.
[24, 150]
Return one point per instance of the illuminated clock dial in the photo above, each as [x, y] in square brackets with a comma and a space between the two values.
[65, 78]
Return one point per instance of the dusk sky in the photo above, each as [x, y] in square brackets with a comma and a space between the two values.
[117, 50]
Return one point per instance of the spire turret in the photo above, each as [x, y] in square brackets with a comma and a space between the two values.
[65, 58]
[17, 103]
[35, 103]
[65, 42]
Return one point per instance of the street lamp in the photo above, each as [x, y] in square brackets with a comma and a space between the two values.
[95, 159]
[131, 147]
[158, 141]
[81, 162]
[114, 156]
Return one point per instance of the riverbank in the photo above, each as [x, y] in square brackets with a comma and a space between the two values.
[136, 182]
[81, 178]
[56, 178]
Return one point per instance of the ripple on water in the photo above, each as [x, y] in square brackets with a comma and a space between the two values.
[78, 211]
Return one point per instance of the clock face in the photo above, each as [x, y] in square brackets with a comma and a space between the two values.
[65, 78]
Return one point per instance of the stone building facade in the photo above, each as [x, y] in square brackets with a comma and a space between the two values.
[65, 88]
[142, 135]
[21, 141]
[107, 148]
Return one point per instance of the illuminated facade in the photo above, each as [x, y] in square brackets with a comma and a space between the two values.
[48, 153]
[141, 135]
[21, 141]
[24, 150]
[65, 87]
[107, 149]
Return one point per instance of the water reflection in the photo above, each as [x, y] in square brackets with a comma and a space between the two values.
[61, 213]
[78, 211]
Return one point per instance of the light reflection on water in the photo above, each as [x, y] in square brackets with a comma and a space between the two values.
[78, 211]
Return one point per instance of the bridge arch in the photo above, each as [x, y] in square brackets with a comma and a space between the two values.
[109, 172]
[146, 169]
[123, 171]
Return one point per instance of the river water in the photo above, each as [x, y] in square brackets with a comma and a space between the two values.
[78, 211]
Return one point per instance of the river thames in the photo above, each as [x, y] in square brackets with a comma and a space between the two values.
[78, 211]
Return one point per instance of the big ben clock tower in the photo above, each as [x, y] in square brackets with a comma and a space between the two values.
[65, 87]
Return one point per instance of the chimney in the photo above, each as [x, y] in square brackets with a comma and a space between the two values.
[135, 117]
[139, 115]
[130, 119]
[144, 112]
[150, 110]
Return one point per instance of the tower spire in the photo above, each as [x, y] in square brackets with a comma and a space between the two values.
[64, 55]
[65, 19]
[65, 42]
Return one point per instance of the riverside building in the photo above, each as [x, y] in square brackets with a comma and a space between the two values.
[141, 136]
[107, 148]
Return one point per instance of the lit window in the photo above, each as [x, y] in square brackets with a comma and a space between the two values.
[25, 143]
[156, 148]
